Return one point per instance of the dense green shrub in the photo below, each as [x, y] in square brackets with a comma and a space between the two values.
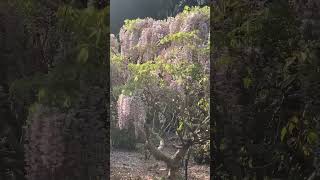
[201, 153]
[266, 95]
[123, 139]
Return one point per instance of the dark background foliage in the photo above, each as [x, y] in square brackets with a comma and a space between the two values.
[42, 62]
[265, 87]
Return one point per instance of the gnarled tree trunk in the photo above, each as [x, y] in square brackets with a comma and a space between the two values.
[173, 163]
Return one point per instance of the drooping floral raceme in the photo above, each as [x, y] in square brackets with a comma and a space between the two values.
[131, 113]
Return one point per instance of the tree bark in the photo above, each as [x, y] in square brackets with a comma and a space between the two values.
[186, 165]
[171, 162]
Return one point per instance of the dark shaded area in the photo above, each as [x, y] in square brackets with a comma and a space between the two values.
[39, 54]
[265, 88]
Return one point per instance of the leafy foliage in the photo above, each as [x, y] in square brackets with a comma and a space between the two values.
[130, 25]
[55, 59]
[261, 52]
[179, 36]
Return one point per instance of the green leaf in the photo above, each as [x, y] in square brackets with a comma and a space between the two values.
[130, 25]
[312, 137]
[98, 37]
[187, 8]
[306, 150]
[67, 102]
[283, 133]
[33, 107]
[94, 32]
[247, 82]
[291, 127]
[181, 126]
[41, 94]
[303, 56]
[287, 82]
[83, 55]
[250, 163]
[294, 119]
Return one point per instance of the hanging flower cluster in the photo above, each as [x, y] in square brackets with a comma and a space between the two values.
[140, 39]
[114, 44]
[45, 144]
[131, 113]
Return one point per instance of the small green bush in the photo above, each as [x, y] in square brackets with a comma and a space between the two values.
[201, 153]
[123, 139]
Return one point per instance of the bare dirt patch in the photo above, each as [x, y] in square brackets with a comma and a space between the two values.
[126, 165]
